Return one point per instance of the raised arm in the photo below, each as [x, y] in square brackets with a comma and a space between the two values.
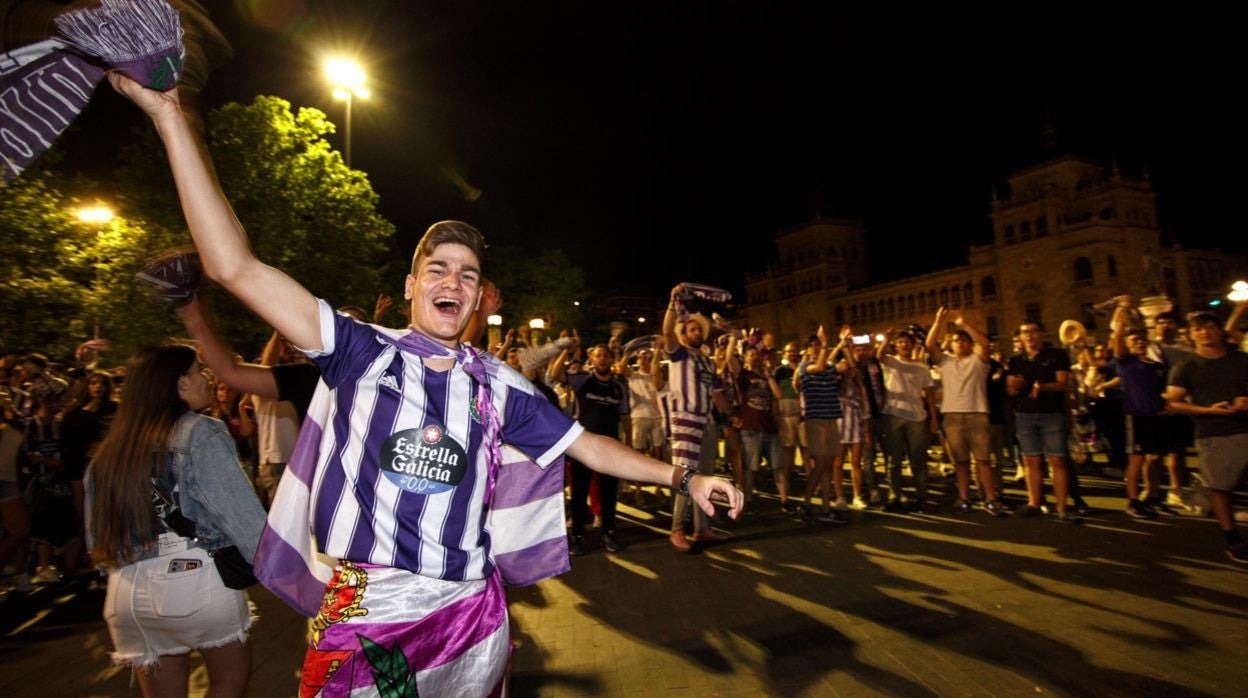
[1118, 336]
[936, 332]
[979, 338]
[820, 362]
[218, 235]
[243, 377]
[670, 318]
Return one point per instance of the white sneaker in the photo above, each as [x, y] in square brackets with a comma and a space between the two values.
[1174, 498]
[841, 504]
[859, 504]
[47, 575]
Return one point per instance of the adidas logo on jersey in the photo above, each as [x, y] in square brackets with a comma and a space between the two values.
[388, 381]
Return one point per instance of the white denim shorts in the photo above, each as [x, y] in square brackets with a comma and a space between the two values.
[170, 605]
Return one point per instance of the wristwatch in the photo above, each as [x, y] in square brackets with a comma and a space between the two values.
[685, 479]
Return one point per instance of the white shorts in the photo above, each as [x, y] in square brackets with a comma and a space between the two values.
[648, 433]
[152, 611]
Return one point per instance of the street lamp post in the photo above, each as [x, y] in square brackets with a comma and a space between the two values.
[537, 324]
[98, 215]
[495, 323]
[348, 80]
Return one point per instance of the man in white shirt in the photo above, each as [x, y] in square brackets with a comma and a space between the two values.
[964, 404]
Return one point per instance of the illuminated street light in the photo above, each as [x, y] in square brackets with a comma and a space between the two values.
[98, 216]
[348, 81]
[537, 324]
[641, 321]
[495, 323]
[1239, 291]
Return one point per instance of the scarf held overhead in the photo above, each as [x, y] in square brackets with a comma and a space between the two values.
[44, 86]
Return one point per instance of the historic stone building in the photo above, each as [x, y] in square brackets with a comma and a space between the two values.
[1068, 235]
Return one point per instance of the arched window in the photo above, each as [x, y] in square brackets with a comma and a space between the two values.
[1113, 267]
[853, 313]
[1024, 230]
[1042, 226]
[840, 315]
[910, 304]
[1083, 271]
[987, 288]
[892, 309]
[957, 297]
[968, 292]
[944, 297]
[1009, 234]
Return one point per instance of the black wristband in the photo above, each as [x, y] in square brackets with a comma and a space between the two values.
[685, 480]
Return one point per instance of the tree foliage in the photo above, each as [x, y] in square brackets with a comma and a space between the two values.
[542, 286]
[305, 213]
[304, 210]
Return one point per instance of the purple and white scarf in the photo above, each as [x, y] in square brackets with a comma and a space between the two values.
[525, 501]
[44, 86]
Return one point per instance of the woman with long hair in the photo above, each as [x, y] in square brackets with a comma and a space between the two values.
[163, 467]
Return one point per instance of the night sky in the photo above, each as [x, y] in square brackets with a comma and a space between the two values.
[646, 139]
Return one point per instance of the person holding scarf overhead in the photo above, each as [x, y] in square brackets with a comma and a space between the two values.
[410, 433]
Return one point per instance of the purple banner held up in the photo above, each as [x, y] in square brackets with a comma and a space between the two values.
[39, 98]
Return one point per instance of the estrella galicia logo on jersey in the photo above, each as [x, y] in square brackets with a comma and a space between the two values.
[425, 460]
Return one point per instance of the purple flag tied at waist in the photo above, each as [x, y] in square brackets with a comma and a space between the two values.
[44, 86]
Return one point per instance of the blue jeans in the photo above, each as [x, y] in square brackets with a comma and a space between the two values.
[755, 443]
[1042, 433]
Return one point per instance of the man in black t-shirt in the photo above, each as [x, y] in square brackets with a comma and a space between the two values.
[1039, 378]
[602, 403]
[1212, 386]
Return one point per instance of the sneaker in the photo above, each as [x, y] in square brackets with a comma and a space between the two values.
[787, 507]
[577, 547]
[680, 542]
[961, 507]
[1067, 518]
[1238, 553]
[47, 575]
[1175, 499]
[1027, 512]
[833, 516]
[803, 515]
[1082, 508]
[1161, 507]
[841, 504]
[860, 504]
[1139, 510]
[610, 543]
[996, 508]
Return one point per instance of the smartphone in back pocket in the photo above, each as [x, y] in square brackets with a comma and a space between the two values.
[183, 565]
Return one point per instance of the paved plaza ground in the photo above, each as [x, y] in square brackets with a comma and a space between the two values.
[910, 605]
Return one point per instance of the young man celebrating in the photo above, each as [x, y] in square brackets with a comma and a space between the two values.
[408, 454]
[1039, 377]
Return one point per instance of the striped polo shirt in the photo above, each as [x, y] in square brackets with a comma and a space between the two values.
[820, 395]
[405, 483]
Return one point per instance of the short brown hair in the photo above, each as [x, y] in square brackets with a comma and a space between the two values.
[444, 232]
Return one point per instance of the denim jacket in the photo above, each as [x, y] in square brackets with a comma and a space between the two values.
[213, 492]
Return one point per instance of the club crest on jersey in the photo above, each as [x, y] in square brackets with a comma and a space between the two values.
[474, 409]
[424, 460]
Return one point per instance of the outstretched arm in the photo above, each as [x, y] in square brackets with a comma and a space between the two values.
[218, 235]
[608, 456]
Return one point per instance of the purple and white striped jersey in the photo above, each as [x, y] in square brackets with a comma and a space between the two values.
[690, 381]
[405, 482]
